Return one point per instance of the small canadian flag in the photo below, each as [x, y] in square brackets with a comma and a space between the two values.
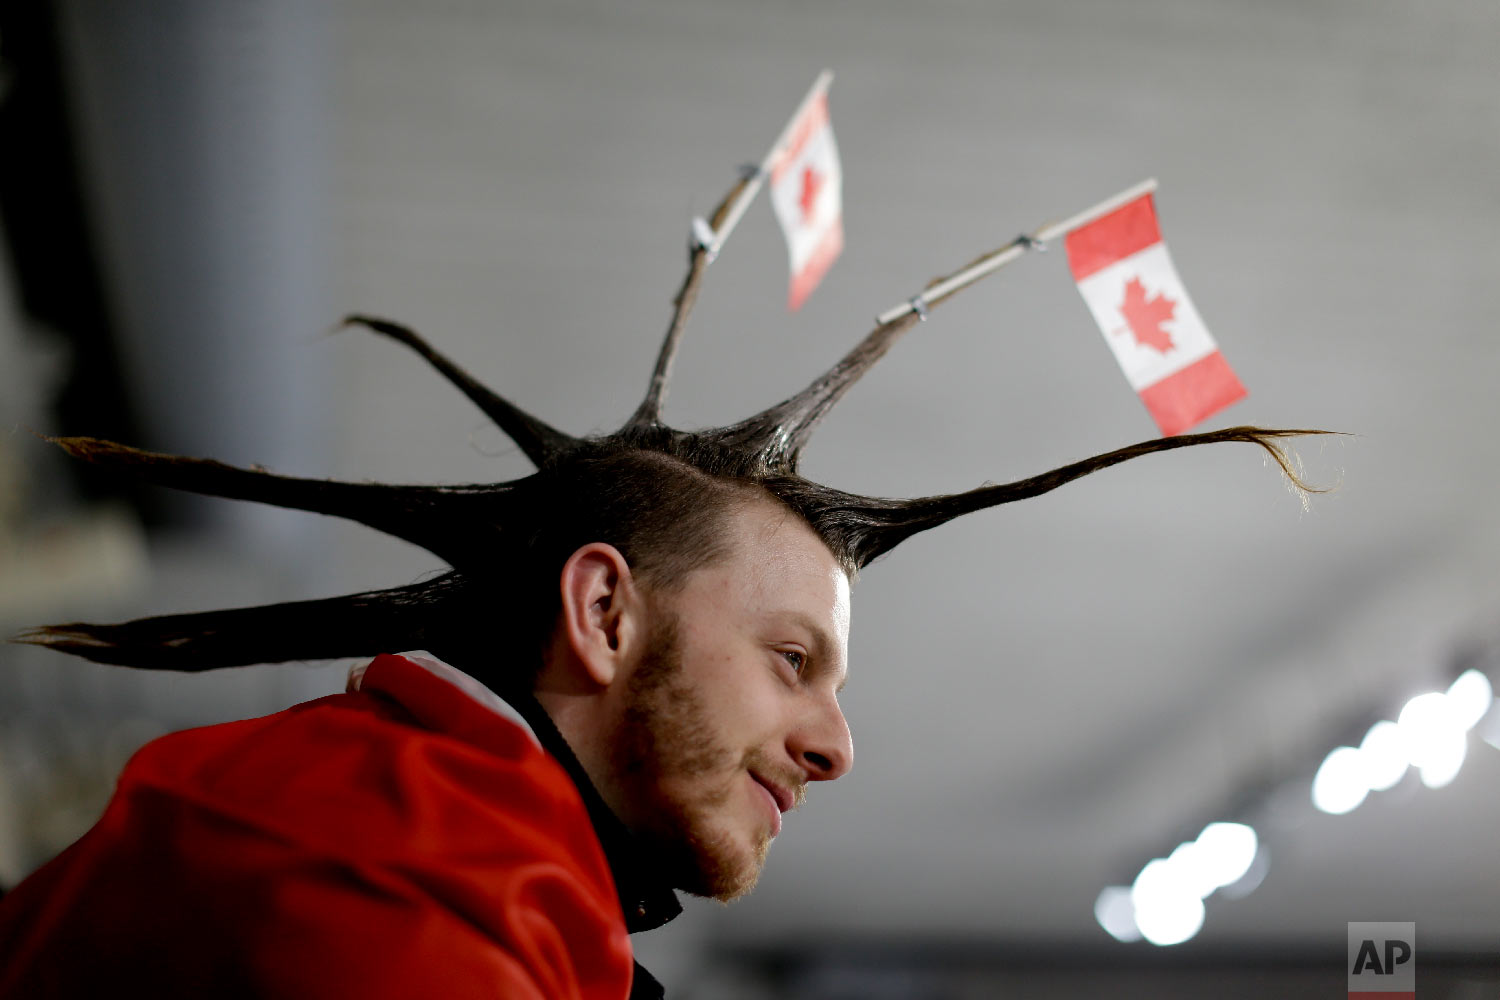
[1127, 278]
[807, 194]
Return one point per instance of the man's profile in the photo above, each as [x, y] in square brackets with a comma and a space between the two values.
[705, 706]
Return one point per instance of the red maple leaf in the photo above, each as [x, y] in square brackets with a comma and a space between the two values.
[812, 183]
[1145, 316]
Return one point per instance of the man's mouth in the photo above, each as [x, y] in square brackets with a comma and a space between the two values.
[781, 800]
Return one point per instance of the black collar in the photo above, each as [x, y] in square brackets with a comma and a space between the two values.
[646, 900]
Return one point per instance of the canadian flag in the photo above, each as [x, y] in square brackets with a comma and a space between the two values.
[807, 194]
[1127, 278]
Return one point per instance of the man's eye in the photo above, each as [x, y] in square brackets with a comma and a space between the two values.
[796, 659]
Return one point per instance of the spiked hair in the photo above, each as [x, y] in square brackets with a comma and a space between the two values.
[653, 491]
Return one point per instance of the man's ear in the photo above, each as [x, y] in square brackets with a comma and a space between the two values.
[601, 610]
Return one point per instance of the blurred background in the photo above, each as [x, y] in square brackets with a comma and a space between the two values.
[1045, 697]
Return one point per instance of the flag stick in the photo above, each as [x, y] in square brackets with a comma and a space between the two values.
[699, 257]
[747, 194]
[709, 237]
[996, 259]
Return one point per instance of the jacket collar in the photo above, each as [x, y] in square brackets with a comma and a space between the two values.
[646, 899]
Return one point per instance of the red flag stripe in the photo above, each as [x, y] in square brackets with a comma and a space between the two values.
[1190, 394]
[822, 258]
[1127, 230]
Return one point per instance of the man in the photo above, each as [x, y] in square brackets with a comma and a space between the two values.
[687, 699]
[665, 612]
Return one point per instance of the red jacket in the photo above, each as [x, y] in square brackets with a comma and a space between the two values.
[404, 839]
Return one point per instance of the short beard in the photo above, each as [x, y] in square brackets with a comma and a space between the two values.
[664, 736]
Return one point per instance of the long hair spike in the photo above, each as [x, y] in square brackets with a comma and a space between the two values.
[416, 616]
[445, 520]
[778, 434]
[539, 440]
[871, 526]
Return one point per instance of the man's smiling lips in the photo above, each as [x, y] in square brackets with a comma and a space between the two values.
[780, 799]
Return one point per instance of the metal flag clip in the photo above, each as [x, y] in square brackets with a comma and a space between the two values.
[703, 237]
[752, 172]
[919, 306]
[1028, 242]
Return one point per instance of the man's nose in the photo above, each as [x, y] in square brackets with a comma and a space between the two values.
[823, 746]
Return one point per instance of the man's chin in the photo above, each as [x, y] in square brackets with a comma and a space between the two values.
[728, 884]
[720, 868]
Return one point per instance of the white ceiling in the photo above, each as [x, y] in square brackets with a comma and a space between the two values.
[1046, 695]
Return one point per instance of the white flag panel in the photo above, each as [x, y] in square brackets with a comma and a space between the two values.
[1145, 363]
[807, 195]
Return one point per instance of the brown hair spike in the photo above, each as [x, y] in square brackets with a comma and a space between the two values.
[539, 440]
[448, 521]
[778, 434]
[417, 616]
[872, 527]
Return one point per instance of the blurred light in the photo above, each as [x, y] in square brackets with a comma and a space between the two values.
[1226, 850]
[1171, 922]
[1339, 785]
[1444, 758]
[1165, 903]
[1192, 869]
[1383, 754]
[1160, 879]
[1116, 913]
[1428, 723]
[1166, 909]
[1247, 883]
[1470, 697]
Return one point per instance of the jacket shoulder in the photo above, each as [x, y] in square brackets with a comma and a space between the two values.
[338, 833]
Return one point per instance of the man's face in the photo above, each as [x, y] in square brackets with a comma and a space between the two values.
[733, 706]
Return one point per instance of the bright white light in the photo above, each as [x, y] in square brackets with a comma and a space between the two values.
[1171, 921]
[1116, 913]
[1226, 850]
[1470, 697]
[1167, 910]
[1159, 880]
[1444, 759]
[1428, 723]
[1339, 785]
[1192, 869]
[1383, 754]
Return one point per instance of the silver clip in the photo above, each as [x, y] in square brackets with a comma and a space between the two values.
[752, 171]
[919, 306]
[1028, 242]
[703, 237]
